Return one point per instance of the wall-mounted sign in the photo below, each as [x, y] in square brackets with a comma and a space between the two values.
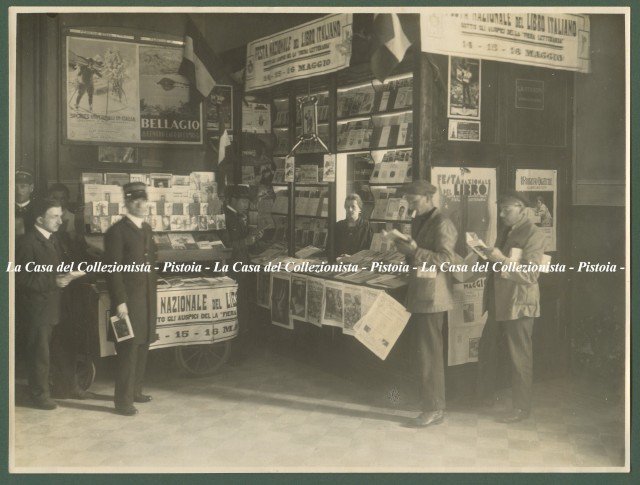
[464, 130]
[559, 41]
[529, 94]
[311, 49]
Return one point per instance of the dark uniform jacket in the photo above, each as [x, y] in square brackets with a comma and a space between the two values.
[37, 296]
[237, 232]
[126, 244]
[25, 219]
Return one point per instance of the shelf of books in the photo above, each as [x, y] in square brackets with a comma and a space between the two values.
[373, 116]
[184, 211]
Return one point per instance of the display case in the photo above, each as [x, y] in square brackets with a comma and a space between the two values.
[184, 212]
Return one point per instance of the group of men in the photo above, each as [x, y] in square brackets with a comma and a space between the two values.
[45, 236]
[511, 298]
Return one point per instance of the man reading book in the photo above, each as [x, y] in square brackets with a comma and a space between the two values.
[432, 241]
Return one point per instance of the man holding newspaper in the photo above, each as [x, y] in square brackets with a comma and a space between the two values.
[429, 295]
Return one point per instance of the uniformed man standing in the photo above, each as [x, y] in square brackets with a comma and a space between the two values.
[24, 215]
[130, 241]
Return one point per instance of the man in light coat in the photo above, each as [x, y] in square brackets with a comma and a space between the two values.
[512, 299]
[433, 238]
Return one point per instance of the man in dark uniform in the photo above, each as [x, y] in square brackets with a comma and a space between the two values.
[432, 242]
[239, 237]
[24, 207]
[512, 299]
[38, 296]
[24, 220]
[130, 241]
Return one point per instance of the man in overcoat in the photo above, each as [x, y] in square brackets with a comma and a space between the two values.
[433, 238]
[512, 299]
[130, 241]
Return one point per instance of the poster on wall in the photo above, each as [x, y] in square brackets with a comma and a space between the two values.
[102, 103]
[166, 115]
[256, 117]
[466, 320]
[121, 91]
[554, 40]
[542, 190]
[312, 49]
[220, 109]
[464, 87]
[464, 130]
[468, 197]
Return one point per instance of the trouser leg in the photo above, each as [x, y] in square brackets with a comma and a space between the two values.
[430, 356]
[141, 367]
[63, 357]
[38, 341]
[488, 359]
[125, 373]
[518, 334]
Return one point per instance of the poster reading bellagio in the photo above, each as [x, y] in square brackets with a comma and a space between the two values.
[468, 197]
[166, 115]
[464, 87]
[542, 189]
[102, 90]
[119, 91]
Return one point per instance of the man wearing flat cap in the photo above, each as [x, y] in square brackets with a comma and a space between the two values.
[512, 299]
[130, 241]
[24, 214]
[433, 238]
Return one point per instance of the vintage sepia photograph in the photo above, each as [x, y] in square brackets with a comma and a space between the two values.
[196, 285]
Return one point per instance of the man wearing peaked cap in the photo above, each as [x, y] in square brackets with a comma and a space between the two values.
[24, 216]
[432, 242]
[133, 294]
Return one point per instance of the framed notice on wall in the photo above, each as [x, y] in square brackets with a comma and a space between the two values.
[126, 89]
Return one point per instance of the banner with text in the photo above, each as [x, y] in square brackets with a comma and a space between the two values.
[187, 316]
[311, 49]
[554, 40]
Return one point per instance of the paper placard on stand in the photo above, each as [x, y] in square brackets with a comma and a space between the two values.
[380, 328]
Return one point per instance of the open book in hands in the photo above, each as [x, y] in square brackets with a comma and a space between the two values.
[476, 244]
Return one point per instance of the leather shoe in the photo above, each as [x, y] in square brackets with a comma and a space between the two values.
[141, 398]
[126, 410]
[45, 403]
[80, 394]
[514, 416]
[427, 419]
